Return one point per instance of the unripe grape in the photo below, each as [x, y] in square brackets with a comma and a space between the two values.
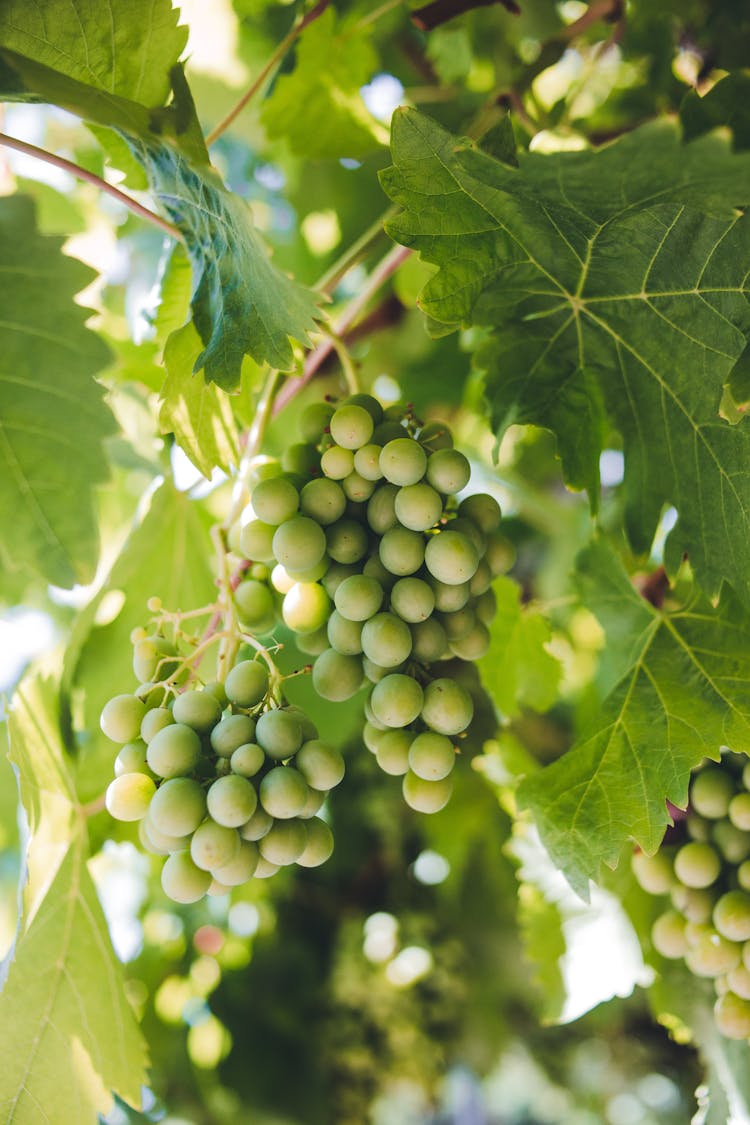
[381, 509]
[386, 640]
[474, 645]
[357, 488]
[739, 811]
[429, 640]
[712, 955]
[483, 510]
[668, 935]
[358, 597]
[699, 828]
[275, 501]
[283, 792]
[321, 765]
[323, 500]
[265, 869]
[247, 760]
[313, 574]
[300, 460]
[299, 544]
[335, 575]
[306, 607]
[319, 844]
[367, 462]
[732, 842]
[150, 659]
[418, 506]
[448, 470]
[696, 904]
[351, 426]
[499, 553]
[182, 880]
[121, 718]
[373, 568]
[449, 599]
[314, 419]
[337, 462]
[257, 826]
[347, 541]
[368, 403]
[371, 737]
[284, 843]
[458, 624]
[231, 732]
[697, 865]
[178, 807]
[343, 635]
[743, 875]
[436, 435]
[197, 709]
[482, 579]
[231, 800]
[470, 531]
[241, 868]
[254, 602]
[336, 677]
[653, 872]
[279, 733]
[313, 804]
[696, 931]
[402, 551]
[174, 751]
[312, 644]
[392, 752]
[431, 756]
[132, 759]
[412, 599]
[738, 980]
[403, 461]
[711, 792]
[387, 431]
[154, 721]
[396, 700]
[256, 541]
[247, 683]
[375, 672]
[732, 1015]
[214, 845]
[426, 796]
[731, 916]
[159, 843]
[128, 796]
[485, 607]
[447, 707]
[451, 557]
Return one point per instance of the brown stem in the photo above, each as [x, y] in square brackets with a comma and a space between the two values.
[655, 587]
[440, 11]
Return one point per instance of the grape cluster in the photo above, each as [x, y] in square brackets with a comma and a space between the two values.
[706, 874]
[382, 574]
[224, 780]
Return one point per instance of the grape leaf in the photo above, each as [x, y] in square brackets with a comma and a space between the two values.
[684, 692]
[518, 669]
[47, 394]
[64, 997]
[614, 284]
[726, 103]
[318, 108]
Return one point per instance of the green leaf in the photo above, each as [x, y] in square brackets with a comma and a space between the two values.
[198, 414]
[518, 670]
[52, 415]
[614, 283]
[682, 693]
[127, 48]
[318, 108]
[726, 103]
[74, 1036]
[540, 923]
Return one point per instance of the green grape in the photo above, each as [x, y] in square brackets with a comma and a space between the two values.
[731, 916]
[412, 599]
[177, 807]
[459, 624]
[299, 543]
[231, 800]
[739, 811]
[357, 488]
[436, 435]
[314, 420]
[283, 792]
[265, 869]
[344, 636]
[402, 551]
[403, 461]
[254, 602]
[132, 759]
[154, 721]
[197, 709]
[319, 844]
[431, 756]
[499, 553]
[313, 804]
[418, 507]
[738, 981]
[474, 645]
[231, 732]
[279, 733]
[743, 875]
[182, 880]
[696, 904]
[313, 573]
[323, 500]
[732, 1015]
[387, 431]
[306, 607]
[447, 707]
[448, 470]
[713, 955]
[174, 751]
[284, 843]
[376, 672]
[370, 404]
[158, 843]
[732, 842]
[321, 765]
[483, 510]
[241, 868]
[371, 736]
[429, 641]
[336, 677]
[263, 467]
[256, 541]
[247, 760]
[481, 580]
[451, 557]
[381, 509]
[150, 659]
[426, 796]
[485, 607]
[334, 576]
[247, 683]
[367, 462]
[214, 845]
[370, 715]
[351, 426]
[698, 828]
[374, 568]
[257, 826]
[449, 599]
[697, 865]
[301, 459]
[396, 700]
[337, 462]
[128, 796]
[668, 935]
[313, 643]
[386, 640]
[307, 726]
[711, 792]
[121, 718]
[347, 541]
[696, 931]
[470, 531]
[653, 872]
[275, 501]
[392, 752]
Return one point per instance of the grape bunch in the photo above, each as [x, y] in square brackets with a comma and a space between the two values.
[225, 780]
[382, 575]
[704, 868]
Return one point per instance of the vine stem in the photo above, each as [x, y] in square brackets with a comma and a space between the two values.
[354, 253]
[271, 65]
[385, 269]
[83, 174]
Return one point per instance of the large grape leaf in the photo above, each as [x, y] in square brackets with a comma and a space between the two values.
[71, 1038]
[614, 287]
[53, 418]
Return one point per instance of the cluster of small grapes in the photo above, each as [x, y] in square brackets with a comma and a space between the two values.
[382, 574]
[224, 780]
[707, 877]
